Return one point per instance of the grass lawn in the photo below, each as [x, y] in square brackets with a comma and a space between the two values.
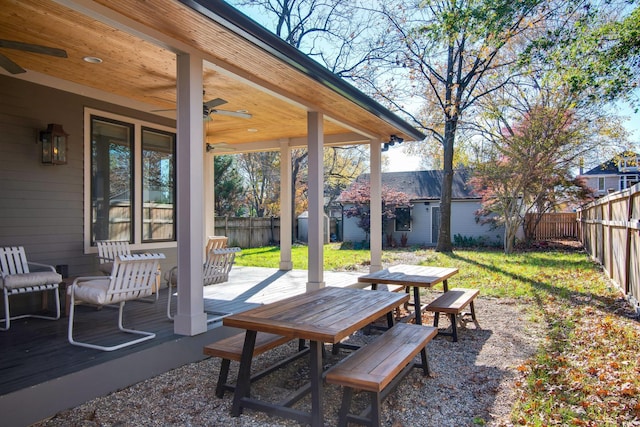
[587, 372]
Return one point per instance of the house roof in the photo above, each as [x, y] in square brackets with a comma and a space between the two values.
[612, 167]
[426, 185]
[244, 64]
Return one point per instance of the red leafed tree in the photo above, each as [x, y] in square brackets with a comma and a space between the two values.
[359, 196]
[528, 169]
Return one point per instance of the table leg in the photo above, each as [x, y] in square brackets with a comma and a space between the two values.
[390, 319]
[418, 306]
[445, 285]
[243, 383]
[317, 406]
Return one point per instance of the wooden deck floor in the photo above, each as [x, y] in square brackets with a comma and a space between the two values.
[37, 360]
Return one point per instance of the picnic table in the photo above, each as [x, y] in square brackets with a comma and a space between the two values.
[326, 315]
[415, 276]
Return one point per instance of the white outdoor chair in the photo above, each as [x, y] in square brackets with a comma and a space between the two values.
[108, 250]
[215, 270]
[133, 277]
[18, 279]
[216, 242]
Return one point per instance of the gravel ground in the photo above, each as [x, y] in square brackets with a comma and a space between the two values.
[471, 383]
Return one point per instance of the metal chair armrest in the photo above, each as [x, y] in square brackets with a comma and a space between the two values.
[38, 264]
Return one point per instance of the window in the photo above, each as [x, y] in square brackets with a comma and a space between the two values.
[601, 183]
[131, 180]
[627, 181]
[158, 179]
[403, 219]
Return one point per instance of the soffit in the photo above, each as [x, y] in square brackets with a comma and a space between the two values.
[249, 78]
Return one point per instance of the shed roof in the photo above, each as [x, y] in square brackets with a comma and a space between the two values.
[426, 185]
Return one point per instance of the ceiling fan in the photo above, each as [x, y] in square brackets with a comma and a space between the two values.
[209, 108]
[14, 68]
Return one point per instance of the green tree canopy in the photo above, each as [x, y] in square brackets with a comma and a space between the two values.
[228, 187]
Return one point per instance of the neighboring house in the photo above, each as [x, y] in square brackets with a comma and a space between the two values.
[614, 175]
[421, 221]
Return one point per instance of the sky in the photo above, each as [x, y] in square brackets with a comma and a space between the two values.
[399, 162]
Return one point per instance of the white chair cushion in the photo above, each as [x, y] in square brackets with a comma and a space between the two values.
[15, 281]
[92, 291]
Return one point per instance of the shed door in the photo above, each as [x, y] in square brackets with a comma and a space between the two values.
[435, 224]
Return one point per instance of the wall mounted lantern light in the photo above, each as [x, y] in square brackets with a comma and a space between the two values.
[54, 145]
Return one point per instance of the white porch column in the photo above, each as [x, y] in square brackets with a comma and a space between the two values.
[209, 194]
[286, 206]
[190, 318]
[376, 205]
[315, 144]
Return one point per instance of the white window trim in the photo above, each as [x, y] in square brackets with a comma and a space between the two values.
[138, 125]
[626, 179]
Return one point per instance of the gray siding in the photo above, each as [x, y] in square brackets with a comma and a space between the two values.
[463, 222]
[41, 206]
[610, 182]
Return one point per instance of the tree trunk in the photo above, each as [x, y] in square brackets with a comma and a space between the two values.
[444, 234]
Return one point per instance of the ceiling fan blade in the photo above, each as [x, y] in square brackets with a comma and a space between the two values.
[214, 103]
[231, 113]
[36, 48]
[10, 66]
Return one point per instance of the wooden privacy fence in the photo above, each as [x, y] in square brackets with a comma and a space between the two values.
[551, 226]
[248, 232]
[610, 233]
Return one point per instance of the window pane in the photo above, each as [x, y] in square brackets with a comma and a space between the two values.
[158, 189]
[111, 180]
[403, 219]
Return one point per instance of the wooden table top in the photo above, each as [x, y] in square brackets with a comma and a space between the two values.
[328, 314]
[410, 275]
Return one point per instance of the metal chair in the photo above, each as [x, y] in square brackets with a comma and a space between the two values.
[108, 250]
[215, 270]
[133, 277]
[18, 279]
[216, 242]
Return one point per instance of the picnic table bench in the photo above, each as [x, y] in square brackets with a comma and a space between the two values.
[453, 303]
[377, 368]
[230, 348]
